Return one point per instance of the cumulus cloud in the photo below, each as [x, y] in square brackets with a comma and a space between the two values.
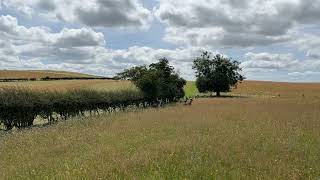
[191, 26]
[94, 13]
[40, 38]
[8, 52]
[234, 23]
[79, 49]
[296, 69]
[180, 58]
[218, 37]
[306, 73]
[309, 44]
[77, 45]
[310, 76]
[79, 37]
[269, 61]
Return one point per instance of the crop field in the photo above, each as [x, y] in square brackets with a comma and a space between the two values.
[61, 85]
[39, 74]
[268, 131]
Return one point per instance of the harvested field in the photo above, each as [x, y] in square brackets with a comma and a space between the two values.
[4, 74]
[71, 84]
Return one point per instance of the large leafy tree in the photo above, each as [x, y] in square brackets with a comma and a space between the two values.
[156, 81]
[217, 73]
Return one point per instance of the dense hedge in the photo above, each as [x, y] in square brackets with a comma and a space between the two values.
[15, 79]
[20, 107]
[53, 79]
[75, 78]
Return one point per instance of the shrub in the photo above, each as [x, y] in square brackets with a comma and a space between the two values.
[158, 81]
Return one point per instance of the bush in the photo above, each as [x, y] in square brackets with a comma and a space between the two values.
[159, 81]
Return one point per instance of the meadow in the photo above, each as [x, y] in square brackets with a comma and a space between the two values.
[265, 130]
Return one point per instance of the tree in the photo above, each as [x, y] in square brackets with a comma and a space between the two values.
[217, 74]
[157, 81]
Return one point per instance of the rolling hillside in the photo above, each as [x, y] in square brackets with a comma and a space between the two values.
[16, 74]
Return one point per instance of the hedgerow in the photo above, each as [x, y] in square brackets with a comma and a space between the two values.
[19, 107]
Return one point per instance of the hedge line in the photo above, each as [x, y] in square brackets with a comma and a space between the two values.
[54, 79]
[75, 78]
[19, 107]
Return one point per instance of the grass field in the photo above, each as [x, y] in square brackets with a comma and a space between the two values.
[260, 135]
[39, 74]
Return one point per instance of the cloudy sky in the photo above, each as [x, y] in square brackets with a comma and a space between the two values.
[276, 40]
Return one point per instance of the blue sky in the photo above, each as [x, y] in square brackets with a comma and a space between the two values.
[275, 40]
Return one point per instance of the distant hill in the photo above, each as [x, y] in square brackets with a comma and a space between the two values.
[38, 74]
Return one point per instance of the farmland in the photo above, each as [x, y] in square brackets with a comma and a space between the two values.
[105, 85]
[39, 74]
[267, 131]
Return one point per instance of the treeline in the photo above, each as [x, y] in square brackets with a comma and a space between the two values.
[54, 79]
[20, 107]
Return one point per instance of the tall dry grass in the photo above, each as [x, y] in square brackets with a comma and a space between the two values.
[282, 89]
[227, 138]
[259, 136]
[261, 89]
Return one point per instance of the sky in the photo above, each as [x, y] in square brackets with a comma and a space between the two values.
[275, 40]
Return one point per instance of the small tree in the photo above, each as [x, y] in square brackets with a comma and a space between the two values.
[217, 74]
[157, 81]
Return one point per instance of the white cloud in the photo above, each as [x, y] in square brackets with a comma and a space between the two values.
[306, 73]
[8, 52]
[69, 44]
[235, 23]
[256, 63]
[218, 37]
[269, 61]
[79, 37]
[79, 49]
[310, 44]
[310, 76]
[211, 24]
[94, 13]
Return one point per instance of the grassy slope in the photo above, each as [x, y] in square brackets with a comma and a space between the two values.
[39, 74]
[258, 137]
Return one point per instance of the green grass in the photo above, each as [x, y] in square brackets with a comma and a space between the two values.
[191, 89]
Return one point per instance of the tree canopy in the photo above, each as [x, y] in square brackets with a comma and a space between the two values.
[216, 74]
[156, 81]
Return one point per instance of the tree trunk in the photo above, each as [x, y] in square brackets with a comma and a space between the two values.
[218, 94]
